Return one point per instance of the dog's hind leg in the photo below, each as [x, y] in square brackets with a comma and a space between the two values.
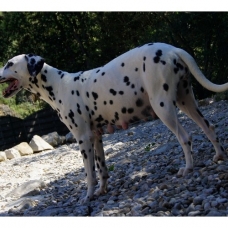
[186, 102]
[165, 109]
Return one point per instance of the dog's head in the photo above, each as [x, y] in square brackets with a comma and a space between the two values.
[17, 72]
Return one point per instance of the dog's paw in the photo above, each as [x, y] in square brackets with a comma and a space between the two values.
[100, 191]
[85, 200]
[219, 157]
[184, 171]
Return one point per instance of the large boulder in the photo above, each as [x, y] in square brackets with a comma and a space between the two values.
[24, 149]
[38, 144]
[12, 153]
[3, 156]
[54, 139]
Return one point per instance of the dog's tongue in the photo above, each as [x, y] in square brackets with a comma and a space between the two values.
[12, 86]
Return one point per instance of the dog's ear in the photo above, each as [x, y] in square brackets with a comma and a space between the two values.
[34, 64]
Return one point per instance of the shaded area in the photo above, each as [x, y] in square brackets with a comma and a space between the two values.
[14, 130]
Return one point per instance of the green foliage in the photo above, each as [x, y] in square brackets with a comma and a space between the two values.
[149, 146]
[221, 96]
[111, 168]
[21, 106]
[75, 41]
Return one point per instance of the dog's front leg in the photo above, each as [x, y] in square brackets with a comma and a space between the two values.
[87, 152]
[100, 164]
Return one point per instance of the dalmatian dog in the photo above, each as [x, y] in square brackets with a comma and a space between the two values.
[152, 79]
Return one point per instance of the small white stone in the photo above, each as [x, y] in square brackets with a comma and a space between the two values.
[12, 153]
[3, 156]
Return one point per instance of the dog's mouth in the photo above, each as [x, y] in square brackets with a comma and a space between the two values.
[12, 88]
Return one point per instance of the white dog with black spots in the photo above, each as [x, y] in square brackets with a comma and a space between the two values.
[148, 80]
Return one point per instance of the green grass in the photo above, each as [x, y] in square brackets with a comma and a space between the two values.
[23, 109]
[111, 168]
[149, 146]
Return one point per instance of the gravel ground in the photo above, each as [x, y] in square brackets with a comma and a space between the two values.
[143, 162]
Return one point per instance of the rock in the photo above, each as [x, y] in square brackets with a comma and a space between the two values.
[54, 139]
[70, 138]
[12, 153]
[108, 151]
[26, 188]
[24, 149]
[194, 213]
[38, 144]
[3, 156]
[214, 212]
[197, 200]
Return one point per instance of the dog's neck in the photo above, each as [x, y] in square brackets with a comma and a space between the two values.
[47, 84]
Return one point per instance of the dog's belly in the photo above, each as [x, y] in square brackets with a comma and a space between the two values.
[125, 111]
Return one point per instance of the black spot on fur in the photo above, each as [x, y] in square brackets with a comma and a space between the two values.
[103, 73]
[159, 53]
[139, 102]
[43, 78]
[163, 62]
[72, 92]
[97, 71]
[80, 142]
[76, 78]
[130, 110]
[110, 102]
[207, 123]
[121, 92]
[176, 70]
[105, 102]
[161, 104]
[8, 65]
[123, 110]
[142, 89]
[122, 64]
[87, 94]
[95, 80]
[144, 67]
[112, 91]
[99, 118]
[146, 111]
[136, 69]
[156, 59]
[95, 95]
[166, 87]
[199, 112]
[85, 155]
[126, 79]
[78, 94]
[116, 116]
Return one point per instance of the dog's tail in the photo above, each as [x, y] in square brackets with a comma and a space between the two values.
[196, 72]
